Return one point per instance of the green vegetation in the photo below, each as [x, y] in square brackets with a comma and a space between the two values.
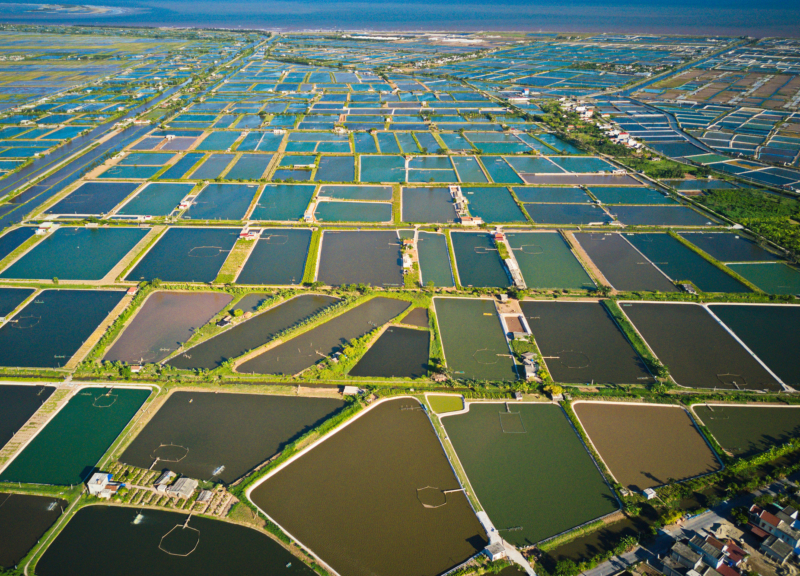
[441, 404]
[655, 366]
[773, 217]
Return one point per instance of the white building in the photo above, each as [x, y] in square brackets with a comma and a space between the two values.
[101, 485]
[183, 488]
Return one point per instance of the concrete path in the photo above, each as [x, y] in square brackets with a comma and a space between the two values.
[512, 553]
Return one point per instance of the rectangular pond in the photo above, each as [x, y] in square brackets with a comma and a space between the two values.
[110, 539]
[196, 433]
[517, 457]
[76, 254]
[156, 199]
[252, 333]
[770, 332]
[698, 351]
[547, 262]
[222, 202]
[645, 446]
[493, 204]
[305, 350]
[360, 257]
[772, 278]
[66, 451]
[93, 198]
[473, 340]
[186, 255]
[621, 264]
[727, 247]
[10, 298]
[333, 211]
[51, 328]
[17, 404]
[398, 353]
[428, 205]
[744, 430]
[434, 260]
[24, 519]
[478, 261]
[386, 464]
[680, 263]
[12, 240]
[356, 192]
[278, 258]
[283, 202]
[164, 322]
[567, 214]
[660, 216]
[581, 343]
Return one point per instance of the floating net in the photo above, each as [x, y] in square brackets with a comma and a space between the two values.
[205, 251]
[169, 453]
[182, 540]
[573, 359]
[511, 423]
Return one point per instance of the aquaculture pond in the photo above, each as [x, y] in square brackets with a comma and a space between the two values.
[417, 317]
[249, 167]
[727, 247]
[76, 254]
[336, 169]
[660, 216]
[164, 322]
[388, 463]
[51, 328]
[94, 198]
[186, 255]
[111, 540]
[745, 431]
[478, 261]
[398, 353]
[332, 211]
[17, 405]
[382, 169]
[623, 265]
[493, 205]
[529, 469]
[630, 195]
[434, 260]
[212, 167]
[473, 340]
[429, 205]
[14, 239]
[223, 436]
[278, 258]
[356, 192]
[546, 261]
[222, 202]
[283, 202]
[66, 451]
[567, 214]
[360, 257]
[305, 350]
[773, 278]
[10, 298]
[251, 333]
[581, 343]
[553, 194]
[680, 263]
[444, 403]
[698, 351]
[770, 332]
[156, 199]
[646, 445]
[23, 521]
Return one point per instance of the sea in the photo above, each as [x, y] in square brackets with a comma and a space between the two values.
[759, 18]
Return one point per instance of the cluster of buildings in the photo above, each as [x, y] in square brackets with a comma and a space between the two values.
[102, 485]
[462, 211]
[779, 531]
[704, 556]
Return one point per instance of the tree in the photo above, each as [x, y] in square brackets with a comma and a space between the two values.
[566, 568]
[553, 389]
[740, 515]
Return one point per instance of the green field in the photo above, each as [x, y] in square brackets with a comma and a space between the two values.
[529, 469]
[69, 447]
[748, 430]
[445, 403]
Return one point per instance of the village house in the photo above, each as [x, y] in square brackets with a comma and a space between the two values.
[101, 485]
